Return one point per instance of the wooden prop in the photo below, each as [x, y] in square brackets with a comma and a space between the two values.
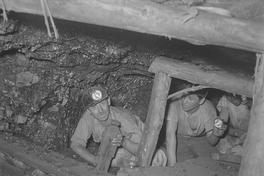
[227, 81]
[155, 118]
[253, 160]
[107, 150]
[193, 25]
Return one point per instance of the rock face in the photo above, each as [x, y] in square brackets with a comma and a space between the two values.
[41, 78]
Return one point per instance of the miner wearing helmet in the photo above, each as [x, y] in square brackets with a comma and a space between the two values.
[97, 116]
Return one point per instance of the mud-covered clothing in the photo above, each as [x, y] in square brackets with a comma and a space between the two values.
[131, 128]
[206, 114]
[239, 115]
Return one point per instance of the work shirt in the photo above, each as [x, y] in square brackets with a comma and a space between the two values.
[206, 114]
[239, 115]
[131, 126]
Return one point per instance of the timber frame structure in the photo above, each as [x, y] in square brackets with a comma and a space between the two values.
[236, 24]
[165, 69]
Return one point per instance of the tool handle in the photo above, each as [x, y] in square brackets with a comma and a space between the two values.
[107, 150]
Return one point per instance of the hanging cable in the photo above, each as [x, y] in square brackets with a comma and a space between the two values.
[45, 17]
[4, 11]
[52, 21]
[44, 6]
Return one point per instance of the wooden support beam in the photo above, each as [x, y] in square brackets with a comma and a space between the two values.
[193, 73]
[18, 158]
[226, 157]
[154, 119]
[253, 160]
[191, 25]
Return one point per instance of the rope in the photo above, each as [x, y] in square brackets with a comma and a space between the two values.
[52, 21]
[45, 17]
[4, 11]
[44, 6]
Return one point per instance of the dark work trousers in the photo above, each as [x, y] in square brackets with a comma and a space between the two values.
[193, 147]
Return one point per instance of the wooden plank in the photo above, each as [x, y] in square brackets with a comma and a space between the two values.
[154, 118]
[193, 167]
[225, 157]
[44, 167]
[191, 25]
[19, 156]
[216, 79]
[253, 160]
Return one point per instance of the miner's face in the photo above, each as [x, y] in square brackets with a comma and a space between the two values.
[190, 102]
[101, 110]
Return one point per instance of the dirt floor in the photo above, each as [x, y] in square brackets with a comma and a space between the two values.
[19, 157]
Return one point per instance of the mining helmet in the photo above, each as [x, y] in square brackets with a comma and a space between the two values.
[93, 95]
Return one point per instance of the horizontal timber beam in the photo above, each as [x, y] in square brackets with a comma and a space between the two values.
[222, 80]
[190, 25]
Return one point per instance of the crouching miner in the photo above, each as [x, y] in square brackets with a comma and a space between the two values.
[97, 116]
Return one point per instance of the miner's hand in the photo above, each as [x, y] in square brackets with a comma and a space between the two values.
[238, 150]
[117, 141]
[219, 131]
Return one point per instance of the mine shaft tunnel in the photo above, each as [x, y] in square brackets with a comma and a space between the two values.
[193, 26]
[165, 70]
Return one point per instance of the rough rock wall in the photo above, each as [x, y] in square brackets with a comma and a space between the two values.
[41, 79]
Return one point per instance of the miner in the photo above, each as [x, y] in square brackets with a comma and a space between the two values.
[190, 127]
[97, 116]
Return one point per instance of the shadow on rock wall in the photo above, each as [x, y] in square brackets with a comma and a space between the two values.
[42, 79]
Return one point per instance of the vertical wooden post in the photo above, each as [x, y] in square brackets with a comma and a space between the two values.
[154, 119]
[253, 160]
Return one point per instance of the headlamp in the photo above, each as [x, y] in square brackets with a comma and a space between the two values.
[218, 123]
[97, 95]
